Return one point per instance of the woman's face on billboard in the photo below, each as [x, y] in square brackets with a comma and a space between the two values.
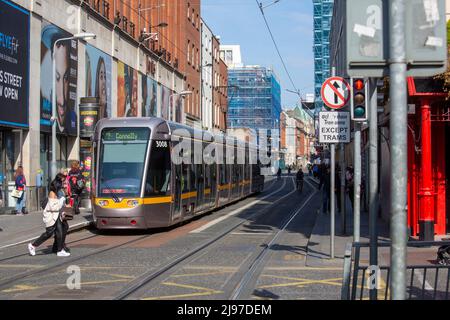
[62, 81]
[102, 83]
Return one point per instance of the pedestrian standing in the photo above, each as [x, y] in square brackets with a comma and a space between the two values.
[52, 220]
[76, 185]
[325, 182]
[20, 190]
[349, 182]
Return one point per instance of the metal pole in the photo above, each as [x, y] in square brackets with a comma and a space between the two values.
[332, 193]
[332, 200]
[53, 120]
[357, 185]
[342, 195]
[373, 177]
[399, 159]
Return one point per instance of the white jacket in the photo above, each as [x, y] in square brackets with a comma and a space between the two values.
[51, 212]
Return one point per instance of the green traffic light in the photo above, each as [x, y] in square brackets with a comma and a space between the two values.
[360, 112]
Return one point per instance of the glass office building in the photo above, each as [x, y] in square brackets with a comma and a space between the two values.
[323, 13]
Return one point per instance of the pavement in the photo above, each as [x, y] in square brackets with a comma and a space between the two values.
[16, 229]
[318, 250]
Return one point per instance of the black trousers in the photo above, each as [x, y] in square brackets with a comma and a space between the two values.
[62, 228]
[59, 230]
[76, 202]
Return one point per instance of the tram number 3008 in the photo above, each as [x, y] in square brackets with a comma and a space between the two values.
[162, 144]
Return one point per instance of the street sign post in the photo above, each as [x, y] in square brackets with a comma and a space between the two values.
[368, 50]
[336, 92]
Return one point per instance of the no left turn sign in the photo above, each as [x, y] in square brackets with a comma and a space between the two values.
[336, 92]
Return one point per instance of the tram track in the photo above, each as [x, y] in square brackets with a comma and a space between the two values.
[147, 279]
[70, 261]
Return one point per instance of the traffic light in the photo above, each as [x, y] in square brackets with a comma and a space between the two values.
[360, 95]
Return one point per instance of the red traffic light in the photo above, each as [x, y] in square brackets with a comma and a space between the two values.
[359, 84]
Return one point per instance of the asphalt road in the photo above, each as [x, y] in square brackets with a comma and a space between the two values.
[246, 263]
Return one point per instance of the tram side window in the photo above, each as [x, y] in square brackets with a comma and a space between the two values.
[158, 177]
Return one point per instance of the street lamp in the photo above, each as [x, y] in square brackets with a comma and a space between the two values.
[152, 35]
[79, 36]
[183, 94]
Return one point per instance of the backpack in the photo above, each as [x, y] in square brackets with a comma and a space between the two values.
[444, 255]
[76, 183]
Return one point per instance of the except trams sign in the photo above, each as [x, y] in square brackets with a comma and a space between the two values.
[334, 127]
[368, 39]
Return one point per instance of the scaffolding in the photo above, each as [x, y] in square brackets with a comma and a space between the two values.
[254, 98]
[323, 13]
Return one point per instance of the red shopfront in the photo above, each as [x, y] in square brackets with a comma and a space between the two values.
[428, 161]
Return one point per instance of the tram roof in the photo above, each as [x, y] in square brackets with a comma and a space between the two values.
[154, 123]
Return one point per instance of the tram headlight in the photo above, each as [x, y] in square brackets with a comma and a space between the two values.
[132, 203]
[103, 203]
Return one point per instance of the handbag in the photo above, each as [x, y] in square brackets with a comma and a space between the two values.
[67, 213]
[17, 194]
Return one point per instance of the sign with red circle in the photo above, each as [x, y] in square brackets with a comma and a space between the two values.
[336, 92]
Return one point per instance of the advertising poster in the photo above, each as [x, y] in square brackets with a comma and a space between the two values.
[14, 64]
[149, 97]
[165, 102]
[66, 56]
[178, 109]
[98, 79]
[127, 91]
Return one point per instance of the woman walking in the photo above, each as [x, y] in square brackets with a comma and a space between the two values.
[20, 184]
[53, 220]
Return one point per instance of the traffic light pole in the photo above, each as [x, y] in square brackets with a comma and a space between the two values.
[357, 185]
[373, 179]
[399, 160]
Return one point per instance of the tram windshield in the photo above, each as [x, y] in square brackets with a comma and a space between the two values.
[122, 159]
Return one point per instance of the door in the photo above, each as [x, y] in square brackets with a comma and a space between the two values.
[177, 212]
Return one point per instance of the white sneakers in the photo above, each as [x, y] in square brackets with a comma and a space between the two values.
[31, 250]
[63, 253]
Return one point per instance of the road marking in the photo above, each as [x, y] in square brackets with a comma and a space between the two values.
[20, 266]
[207, 292]
[19, 288]
[237, 211]
[179, 296]
[200, 274]
[301, 282]
[302, 269]
[252, 233]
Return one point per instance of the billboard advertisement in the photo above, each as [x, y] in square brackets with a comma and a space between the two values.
[98, 79]
[127, 91]
[165, 102]
[149, 97]
[66, 76]
[14, 64]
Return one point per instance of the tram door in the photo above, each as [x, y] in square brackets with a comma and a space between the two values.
[200, 187]
[177, 192]
[213, 170]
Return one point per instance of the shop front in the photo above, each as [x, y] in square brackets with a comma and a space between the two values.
[14, 94]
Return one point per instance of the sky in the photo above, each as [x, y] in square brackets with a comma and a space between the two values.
[240, 22]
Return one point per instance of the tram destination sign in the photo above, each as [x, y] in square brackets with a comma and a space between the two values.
[334, 127]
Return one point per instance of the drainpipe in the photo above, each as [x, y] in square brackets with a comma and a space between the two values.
[426, 215]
